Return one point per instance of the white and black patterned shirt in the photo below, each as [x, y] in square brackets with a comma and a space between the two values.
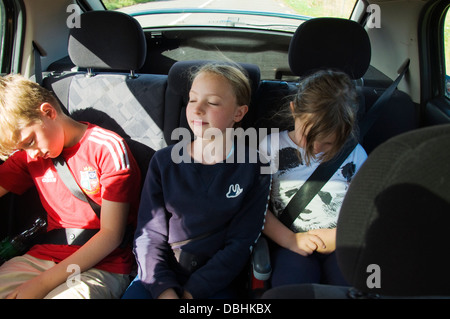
[290, 173]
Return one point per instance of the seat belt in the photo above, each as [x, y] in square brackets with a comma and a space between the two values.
[325, 170]
[376, 108]
[76, 236]
[37, 63]
[314, 184]
[70, 236]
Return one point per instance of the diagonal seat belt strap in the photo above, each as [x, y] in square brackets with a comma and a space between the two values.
[66, 175]
[37, 64]
[314, 184]
[376, 108]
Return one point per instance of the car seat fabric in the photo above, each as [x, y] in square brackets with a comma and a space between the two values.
[395, 217]
[330, 43]
[105, 38]
[133, 108]
[306, 291]
[111, 45]
[398, 116]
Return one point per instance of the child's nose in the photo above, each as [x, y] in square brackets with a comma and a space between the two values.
[198, 108]
[33, 153]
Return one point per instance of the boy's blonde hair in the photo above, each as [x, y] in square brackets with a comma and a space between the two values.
[327, 103]
[20, 101]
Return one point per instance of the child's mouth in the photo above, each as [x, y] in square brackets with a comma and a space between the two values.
[198, 123]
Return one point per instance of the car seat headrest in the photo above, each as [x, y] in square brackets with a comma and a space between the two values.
[393, 225]
[330, 43]
[107, 40]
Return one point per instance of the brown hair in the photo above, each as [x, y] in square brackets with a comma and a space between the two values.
[326, 101]
[20, 101]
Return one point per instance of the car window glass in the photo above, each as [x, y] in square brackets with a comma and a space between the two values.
[447, 54]
[279, 15]
[313, 8]
[2, 33]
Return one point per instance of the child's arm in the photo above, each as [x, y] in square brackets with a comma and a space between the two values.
[151, 246]
[112, 228]
[3, 191]
[328, 236]
[300, 243]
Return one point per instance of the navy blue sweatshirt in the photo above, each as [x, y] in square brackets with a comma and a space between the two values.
[182, 201]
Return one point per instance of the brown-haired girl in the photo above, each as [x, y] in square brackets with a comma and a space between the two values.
[324, 112]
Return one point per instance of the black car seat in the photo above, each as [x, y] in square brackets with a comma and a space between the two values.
[106, 90]
[393, 224]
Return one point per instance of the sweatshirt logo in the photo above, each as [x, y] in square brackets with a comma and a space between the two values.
[49, 177]
[234, 191]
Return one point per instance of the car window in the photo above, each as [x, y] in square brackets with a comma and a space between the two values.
[2, 34]
[279, 15]
[447, 54]
[11, 32]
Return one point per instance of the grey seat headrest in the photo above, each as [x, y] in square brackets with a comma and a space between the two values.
[107, 40]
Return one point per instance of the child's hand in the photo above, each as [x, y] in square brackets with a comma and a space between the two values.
[187, 295]
[305, 243]
[328, 236]
[31, 289]
[168, 294]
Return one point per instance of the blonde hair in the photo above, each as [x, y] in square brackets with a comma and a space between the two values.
[20, 101]
[234, 74]
[327, 103]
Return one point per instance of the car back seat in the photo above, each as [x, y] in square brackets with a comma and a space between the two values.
[109, 46]
[339, 44]
[378, 246]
